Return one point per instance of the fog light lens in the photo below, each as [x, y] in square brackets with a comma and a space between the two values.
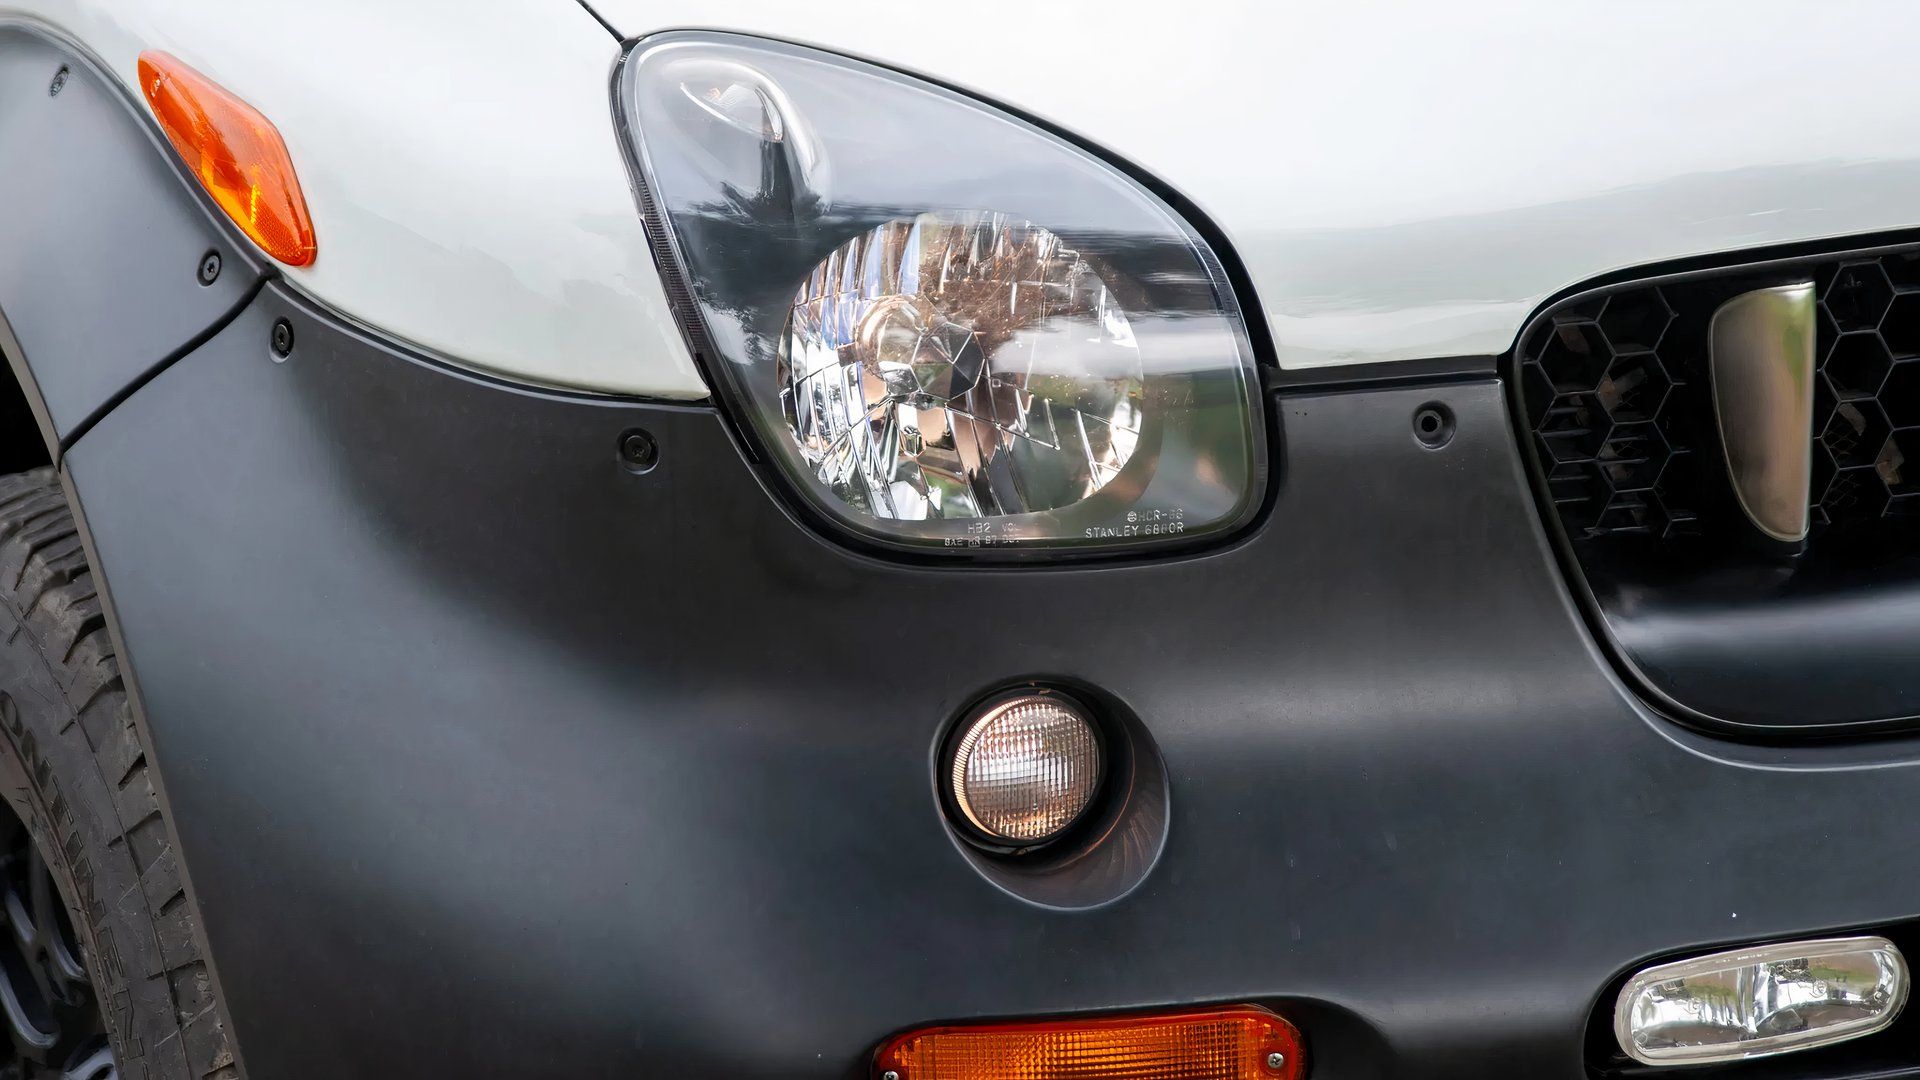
[1244, 1043]
[1754, 1002]
[1026, 768]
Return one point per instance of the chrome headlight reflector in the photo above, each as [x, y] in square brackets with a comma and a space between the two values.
[951, 330]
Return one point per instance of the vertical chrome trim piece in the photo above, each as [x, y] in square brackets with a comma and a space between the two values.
[1761, 360]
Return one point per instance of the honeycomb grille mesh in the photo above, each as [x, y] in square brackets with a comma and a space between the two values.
[1615, 394]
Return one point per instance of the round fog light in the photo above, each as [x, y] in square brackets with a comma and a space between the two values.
[1026, 768]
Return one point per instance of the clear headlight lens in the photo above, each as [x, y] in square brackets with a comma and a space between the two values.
[952, 330]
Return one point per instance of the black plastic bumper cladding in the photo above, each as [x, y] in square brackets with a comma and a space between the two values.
[491, 757]
[104, 251]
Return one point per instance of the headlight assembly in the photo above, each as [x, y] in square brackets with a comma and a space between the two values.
[950, 329]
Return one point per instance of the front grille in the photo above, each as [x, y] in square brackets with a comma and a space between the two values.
[1719, 625]
[1615, 394]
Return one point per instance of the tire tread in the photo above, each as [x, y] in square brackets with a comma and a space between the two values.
[48, 588]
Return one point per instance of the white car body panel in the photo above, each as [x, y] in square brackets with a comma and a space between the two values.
[1412, 180]
[1400, 183]
[459, 160]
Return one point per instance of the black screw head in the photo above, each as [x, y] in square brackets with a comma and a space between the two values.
[59, 82]
[282, 338]
[209, 268]
[1433, 425]
[638, 451]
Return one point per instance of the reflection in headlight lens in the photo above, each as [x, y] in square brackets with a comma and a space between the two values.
[958, 366]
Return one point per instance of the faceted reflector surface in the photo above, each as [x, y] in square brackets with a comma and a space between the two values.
[960, 366]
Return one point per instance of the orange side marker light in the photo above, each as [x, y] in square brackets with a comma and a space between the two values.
[236, 154]
[1240, 1043]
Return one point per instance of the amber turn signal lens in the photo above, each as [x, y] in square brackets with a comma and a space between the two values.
[1241, 1043]
[234, 152]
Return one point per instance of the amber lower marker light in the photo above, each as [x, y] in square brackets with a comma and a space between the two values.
[235, 153]
[1240, 1043]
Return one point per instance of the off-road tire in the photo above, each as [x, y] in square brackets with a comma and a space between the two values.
[74, 769]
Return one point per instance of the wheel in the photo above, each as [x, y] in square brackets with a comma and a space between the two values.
[100, 974]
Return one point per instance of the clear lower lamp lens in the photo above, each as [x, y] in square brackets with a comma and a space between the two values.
[1026, 769]
[1760, 1001]
[953, 331]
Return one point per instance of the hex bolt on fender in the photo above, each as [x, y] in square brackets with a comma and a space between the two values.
[282, 340]
[639, 451]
